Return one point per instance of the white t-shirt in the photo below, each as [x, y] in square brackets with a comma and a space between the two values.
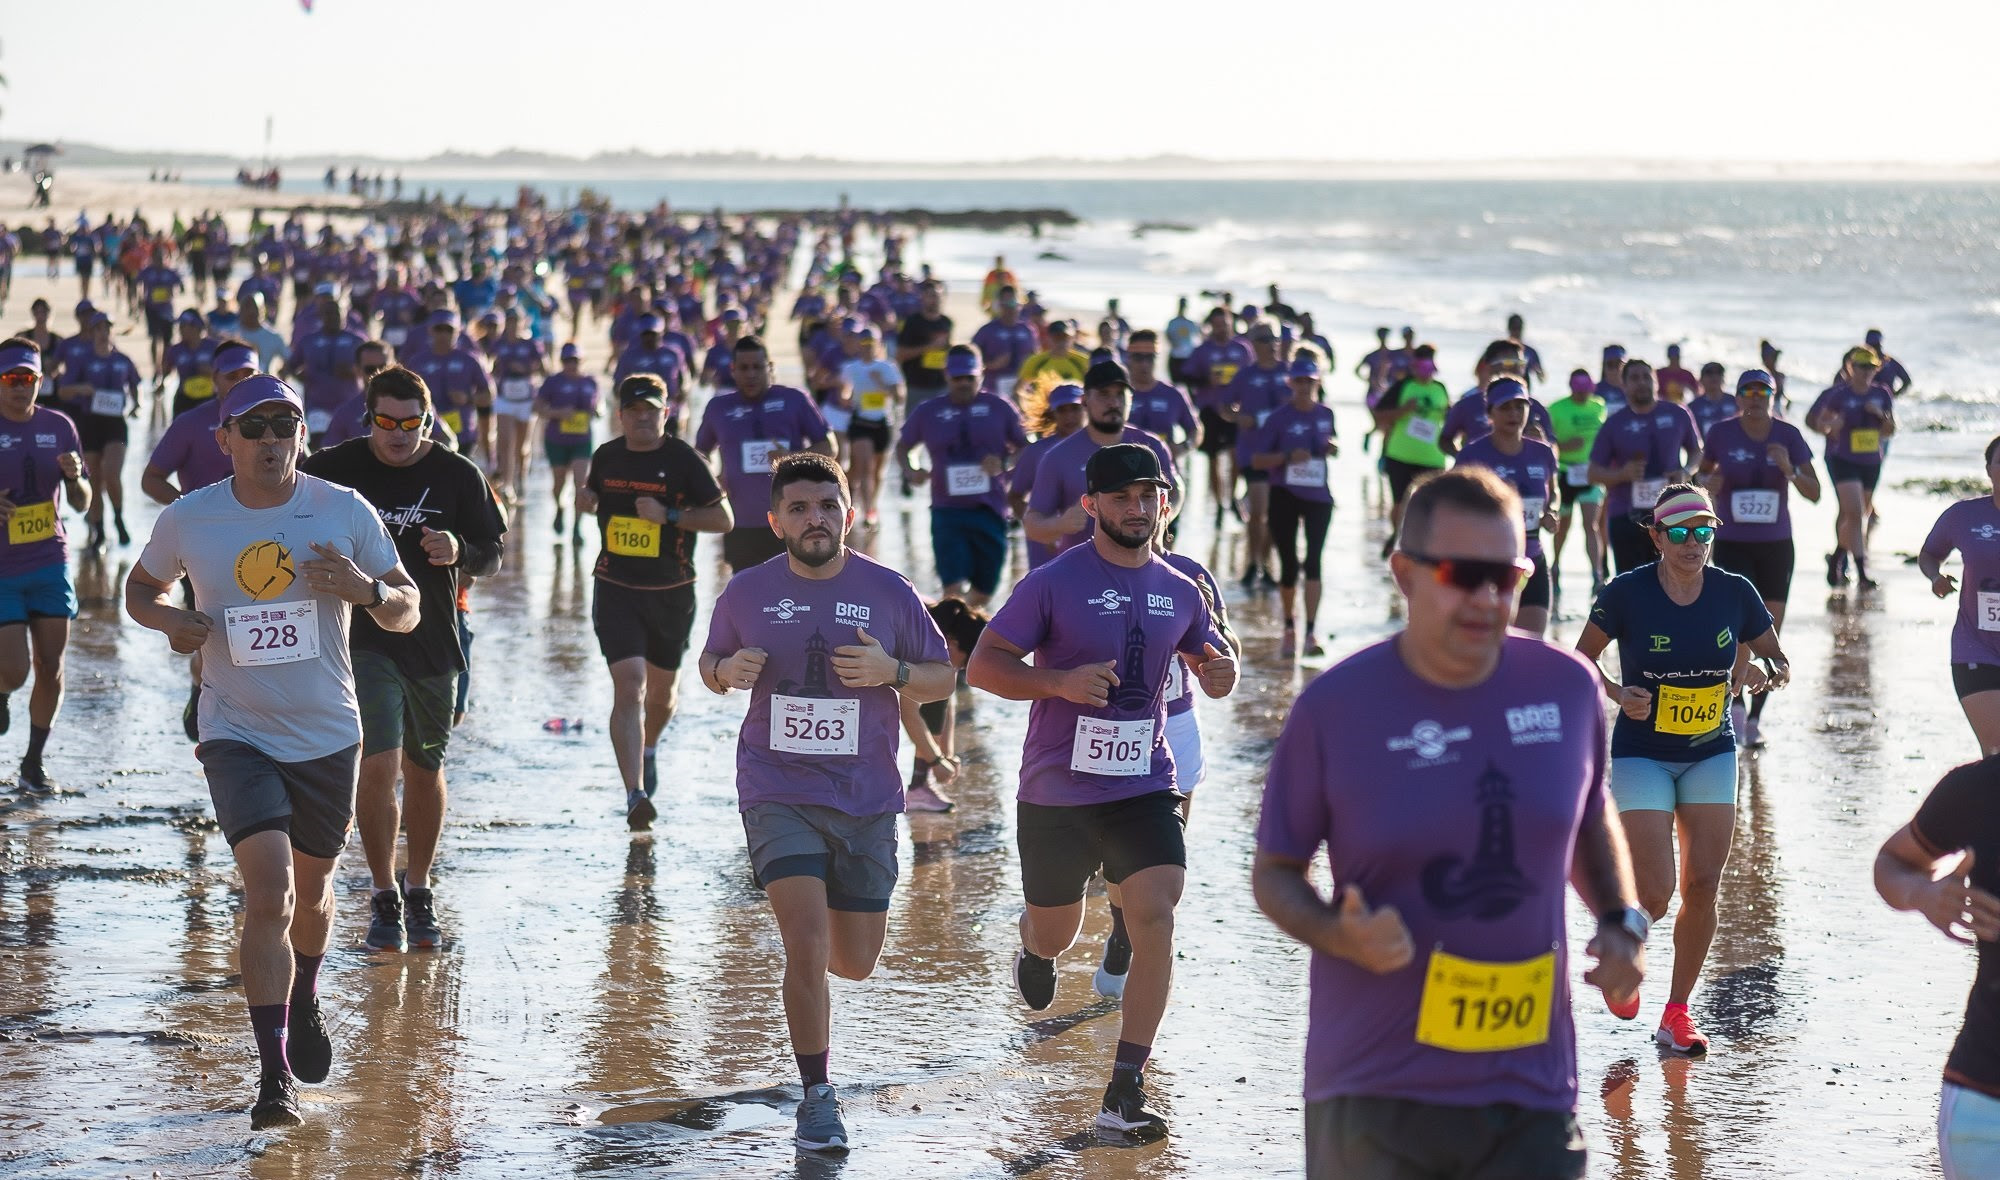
[294, 708]
[870, 380]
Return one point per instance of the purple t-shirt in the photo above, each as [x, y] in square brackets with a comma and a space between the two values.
[1081, 609]
[1255, 393]
[1022, 479]
[1159, 409]
[1529, 473]
[1660, 434]
[456, 380]
[314, 359]
[114, 370]
[1059, 483]
[1854, 420]
[1291, 429]
[736, 425]
[1002, 347]
[958, 439]
[1180, 681]
[566, 395]
[1708, 413]
[1973, 528]
[1460, 807]
[1750, 478]
[798, 622]
[29, 475]
[664, 362]
[187, 449]
[1468, 420]
[1211, 366]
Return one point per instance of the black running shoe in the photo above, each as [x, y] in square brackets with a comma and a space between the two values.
[385, 929]
[190, 716]
[34, 779]
[1125, 1111]
[277, 1102]
[1034, 979]
[1109, 981]
[559, 521]
[639, 811]
[421, 921]
[124, 537]
[306, 1043]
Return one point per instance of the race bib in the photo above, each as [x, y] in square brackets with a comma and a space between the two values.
[815, 725]
[1221, 374]
[516, 389]
[1689, 712]
[1864, 442]
[198, 388]
[318, 420]
[1423, 430]
[1989, 608]
[37, 522]
[1646, 492]
[934, 359]
[1263, 416]
[1005, 386]
[1474, 1007]
[1120, 748]
[632, 536]
[395, 336]
[1308, 473]
[453, 421]
[1577, 475]
[577, 423]
[1531, 512]
[967, 479]
[109, 402]
[283, 633]
[1754, 506]
[1177, 680]
[160, 294]
[874, 405]
[757, 456]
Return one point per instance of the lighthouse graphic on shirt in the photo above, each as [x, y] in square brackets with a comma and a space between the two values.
[1132, 694]
[815, 682]
[1489, 886]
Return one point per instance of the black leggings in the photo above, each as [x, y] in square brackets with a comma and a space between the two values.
[1287, 510]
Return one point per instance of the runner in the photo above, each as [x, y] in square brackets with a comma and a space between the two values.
[970, 437]
[1005, 342]
[1410, 417]
[1576, 420]
[448, 529]
[1467, 419]
[99, 386]
[1183, 334]
[1958, 817]
[1972, 527]
[1749, 464]
[1061, 358]
[1856, 417]
[1098, 782]
[39, 453]
[651, 494]
[753, 426]
[191, 360]
[1892, 374]
[1679, 627]
[1051, 416]
[279, 726]
[1212, 365]
[1056, 516]
[519, 364]
[322, 361]
[1159, 408]
[825, 642]
[1530, 467]
[932, 726]
[1712, 403]
[455, 374]
[1292, 448]
[1247, 401]
[1496, 744]
[921, 344]
[872, 389]
[568, 402]
[1643, 446]
[1676, 384]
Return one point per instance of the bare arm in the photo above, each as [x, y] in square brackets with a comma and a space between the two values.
[1906, 875]
[1374, 939]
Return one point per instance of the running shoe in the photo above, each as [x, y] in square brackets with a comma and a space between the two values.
[1125, 1111]
[1314, 649]
[649, 775]
[190, 716]
[1034, 979]
[820, 1127]
[33, 779]
[1753, 735]
[124, 537]
[1109, 981]
[924, 797]
[1270, 583]
[1250, 578]
[1677, 1032]
[96, 540]
[277, 1102]
[422, 921]
[559, 523]
[1289, 645]
[639, 811]
[1626, 1011]
[385, 928]
[306, 1045]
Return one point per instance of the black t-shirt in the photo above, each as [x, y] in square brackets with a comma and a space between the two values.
[1963, 812]
[921, 329]
[444, 492]
[671, 473]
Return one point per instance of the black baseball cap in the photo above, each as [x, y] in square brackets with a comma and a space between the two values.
[1105, 373]
[1120, 464]
[636, 389]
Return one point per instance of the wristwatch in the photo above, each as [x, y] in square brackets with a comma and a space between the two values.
[1631, 919]
[381, 589]
[902, 673]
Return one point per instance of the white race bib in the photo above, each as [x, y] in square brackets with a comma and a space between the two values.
[516, 389]
[815, 725]
[757, 456]
[1422, 429]
[1310, 473]
[1531, 511]
[1263, 416]
[1177, 680]
[1754, 506]
[109, 402]
[1989, 610]
[1577, 475]
[1004, 386]
[1120, 748]
[394, 337]
[275, 633]
[1646, 492]
[318, 420]
[967, 479]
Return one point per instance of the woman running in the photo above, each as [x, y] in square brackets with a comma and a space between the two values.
[1294, 445]
[1682, 629]
[1531, 466]
[872, 390]
[1052, 414]
[1973, 528]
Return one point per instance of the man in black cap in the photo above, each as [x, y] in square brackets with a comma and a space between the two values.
[1098, 788]
[1055, 514]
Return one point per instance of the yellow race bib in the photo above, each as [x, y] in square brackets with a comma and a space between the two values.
[1864, 442]
[1474, 1007]
[198, 388]
[874, 403]
[1690, 712]
[934, 359]
[31, 523]
[577, 423]
[1219, 375]
[452, 420]
[632, 536]
[160, 294]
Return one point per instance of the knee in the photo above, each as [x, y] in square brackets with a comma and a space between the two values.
[269, 907]
[1655, 899]
[1699, 889]
[851, 965]
[1151, 923]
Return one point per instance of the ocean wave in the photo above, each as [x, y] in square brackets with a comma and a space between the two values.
[1534, 246]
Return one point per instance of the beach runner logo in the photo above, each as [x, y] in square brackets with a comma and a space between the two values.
[1431, 742]
[1490, 885]
[1986, 532]
[786, 608]
[264, 570]
[1109, 602]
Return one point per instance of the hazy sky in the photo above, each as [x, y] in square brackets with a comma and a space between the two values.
[1803, 80]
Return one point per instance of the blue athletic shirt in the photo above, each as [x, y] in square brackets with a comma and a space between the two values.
[1681, 654]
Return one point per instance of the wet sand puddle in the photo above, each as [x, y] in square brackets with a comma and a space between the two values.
[608, 1004]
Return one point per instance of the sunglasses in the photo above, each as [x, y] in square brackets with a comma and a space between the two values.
[1135, 357]
[253, 426]
[385, 422]
[19, 377]
[1679, 534]
[1469, 574]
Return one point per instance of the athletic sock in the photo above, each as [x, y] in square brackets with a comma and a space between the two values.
[1131, 1058]
[1757, 704]
[1118, 926]
[650, 750]
[305, 976]
[1289, 622]
[38, 737]
[410, 882]
[812, 1066]
[920, 774]
[267, 1022]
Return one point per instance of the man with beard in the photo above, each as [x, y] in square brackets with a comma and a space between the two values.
[1641, 448]
[1056, 516]
[824, 641]
[1099, 787]
[753, 426]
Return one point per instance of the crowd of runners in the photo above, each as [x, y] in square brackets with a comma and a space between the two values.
[346, 426]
